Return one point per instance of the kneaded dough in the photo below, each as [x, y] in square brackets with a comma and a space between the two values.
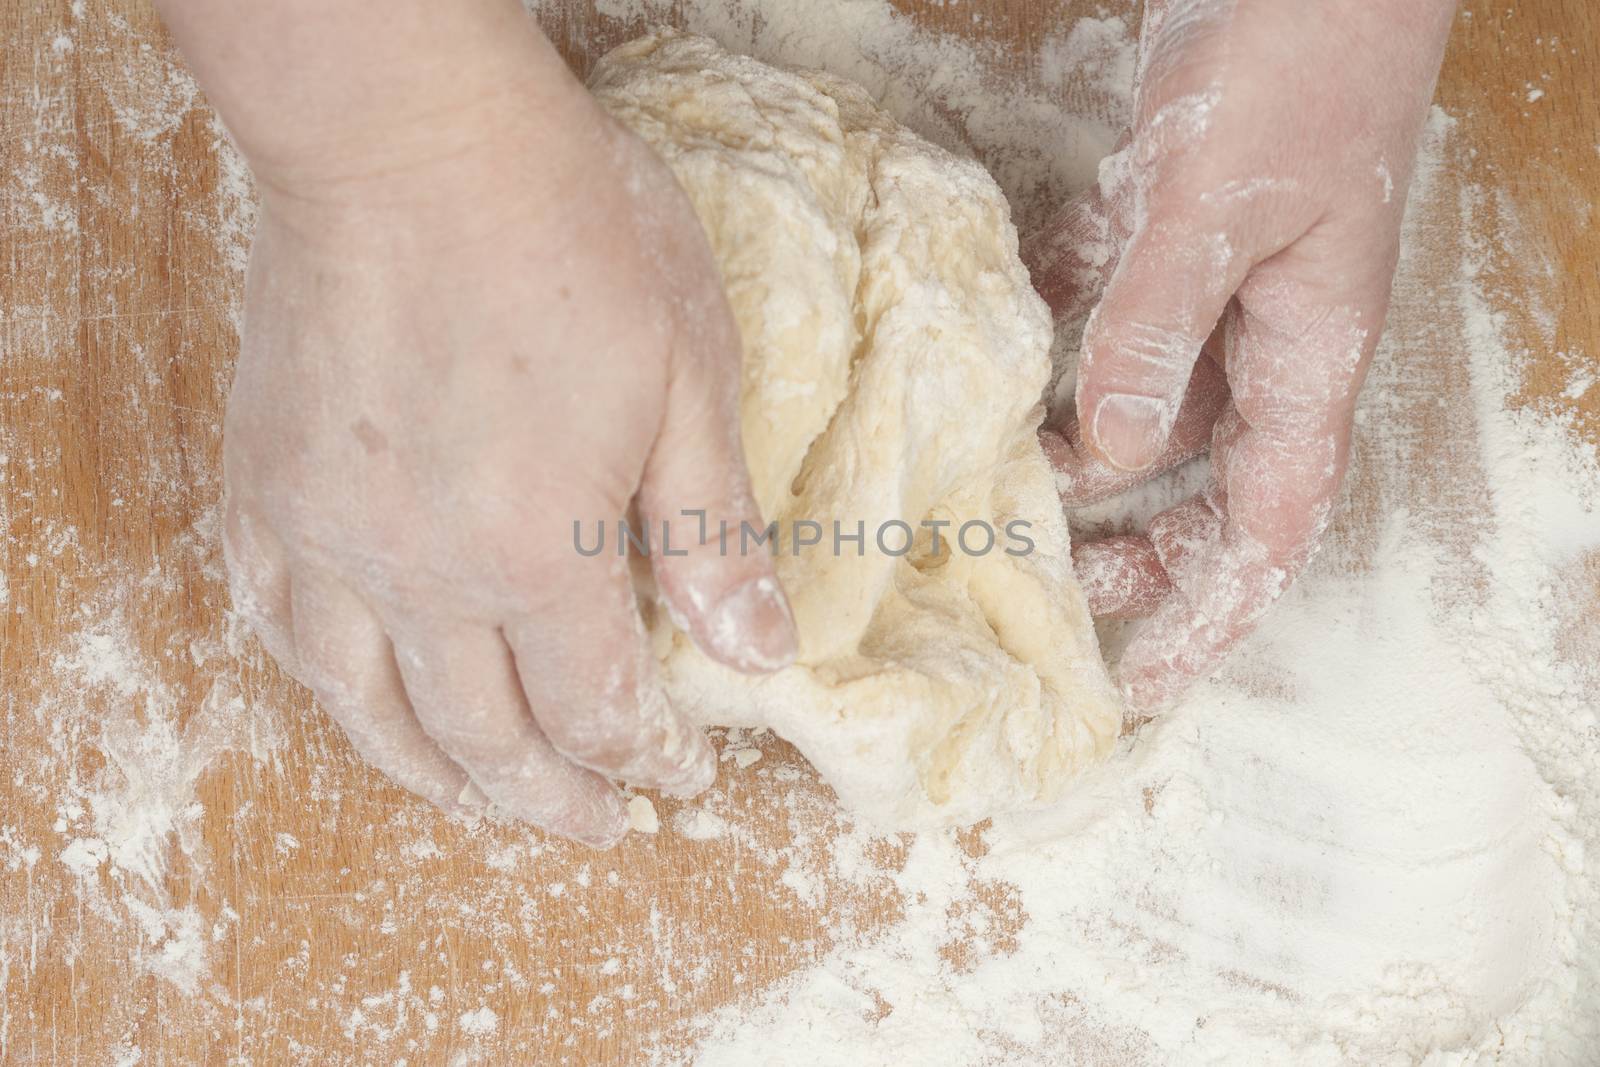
[894, 359]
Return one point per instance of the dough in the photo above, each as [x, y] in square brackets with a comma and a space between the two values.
[894, 358]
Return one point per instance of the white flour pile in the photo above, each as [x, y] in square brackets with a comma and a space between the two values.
[1367, 840]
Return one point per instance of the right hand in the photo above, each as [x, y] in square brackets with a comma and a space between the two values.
[1237, 256]
[446, 361]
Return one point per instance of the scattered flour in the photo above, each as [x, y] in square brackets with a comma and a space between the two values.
[479, 1023]
[698, 824]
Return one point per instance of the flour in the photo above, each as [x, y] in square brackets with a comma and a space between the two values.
[479, 1023]
[129, 825]
[108, 740]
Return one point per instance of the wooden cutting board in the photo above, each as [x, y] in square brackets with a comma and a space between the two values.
[270, 900]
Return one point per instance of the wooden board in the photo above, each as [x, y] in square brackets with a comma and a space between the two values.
[274, 901]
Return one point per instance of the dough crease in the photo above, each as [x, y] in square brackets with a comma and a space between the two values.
[894, 358]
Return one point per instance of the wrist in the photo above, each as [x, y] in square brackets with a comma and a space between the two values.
[498, 167]
[523, 105]
[320, 97]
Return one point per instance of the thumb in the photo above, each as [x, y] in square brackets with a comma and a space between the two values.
[1140, 345]
[696, 496]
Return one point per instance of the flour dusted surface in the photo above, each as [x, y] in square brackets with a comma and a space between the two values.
[1138, 925]
[894, 358]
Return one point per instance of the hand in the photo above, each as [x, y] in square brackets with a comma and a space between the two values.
[446, 362]
[1256, 202]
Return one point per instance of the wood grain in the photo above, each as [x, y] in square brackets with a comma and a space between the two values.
[1525, 80]
[335, 919]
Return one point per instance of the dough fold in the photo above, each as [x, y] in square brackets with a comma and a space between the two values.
[894, 358]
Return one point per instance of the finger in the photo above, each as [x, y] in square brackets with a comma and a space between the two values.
[344, 657]
[1186, 251]
[1296, 358]
[463, 683]
[1083, 478]
[258, 580]
[1223, 579]
[1199, 623]
[1300, 340]
[592, 682]
[1180, 533]
[1071, 257]
[1122, 577]
[1140, 345]
[1128, 577]
[695, 496]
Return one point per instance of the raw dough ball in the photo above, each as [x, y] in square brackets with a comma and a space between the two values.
[894, 358]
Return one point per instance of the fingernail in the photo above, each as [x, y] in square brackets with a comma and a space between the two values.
[751, 628]
[1131, 430]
